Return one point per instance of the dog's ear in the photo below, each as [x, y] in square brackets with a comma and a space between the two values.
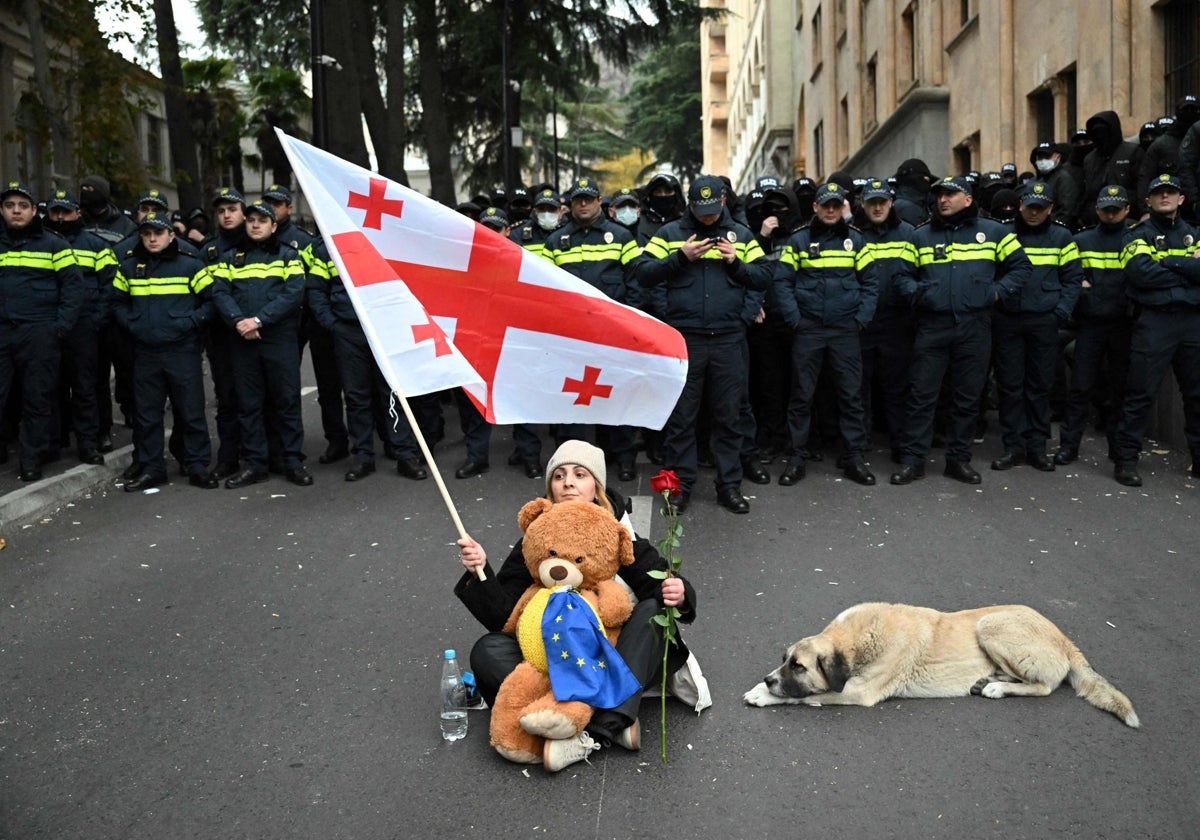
[835, 670]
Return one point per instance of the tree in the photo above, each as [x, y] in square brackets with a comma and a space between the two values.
[277, 100]
[665, 106]
[216, 121]
[183, 150]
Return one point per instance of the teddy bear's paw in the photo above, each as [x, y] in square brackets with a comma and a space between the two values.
[519, 756]
[549, 723]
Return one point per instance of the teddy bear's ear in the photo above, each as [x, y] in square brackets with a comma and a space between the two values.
[531, 511]
[625, 546]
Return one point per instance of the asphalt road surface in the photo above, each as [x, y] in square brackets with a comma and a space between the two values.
[264, 664]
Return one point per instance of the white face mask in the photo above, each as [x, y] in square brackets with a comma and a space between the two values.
[626, 215]
[1045, 164]
[547, 221]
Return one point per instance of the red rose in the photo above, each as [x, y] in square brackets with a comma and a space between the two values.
[665, 480]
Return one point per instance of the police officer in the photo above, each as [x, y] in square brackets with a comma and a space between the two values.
[100, 215]
[229, 209]
[258, 288]
[662, 203]
[708, 263]
[1025, 330]
[604, 255]
[1112, 160]
[41, 294]
[1048, 158]
[958, 265]
[531, 234]
[160, 296]
[1102, 324]
[318, 339]
[520, 205]
[358, 371]
[77, 379]
[887, 340]
[625, 209]
[1164, 281]
[825, 285]
[913, 180]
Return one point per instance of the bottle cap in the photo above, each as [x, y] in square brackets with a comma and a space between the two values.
[450, 654]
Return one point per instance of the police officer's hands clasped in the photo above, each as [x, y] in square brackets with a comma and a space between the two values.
[248, 329]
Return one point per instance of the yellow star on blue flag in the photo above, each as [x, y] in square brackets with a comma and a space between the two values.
[582, 664]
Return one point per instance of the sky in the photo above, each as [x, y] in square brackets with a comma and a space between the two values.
[187, 22]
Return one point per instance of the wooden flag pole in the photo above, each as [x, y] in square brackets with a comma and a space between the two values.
[437, 475]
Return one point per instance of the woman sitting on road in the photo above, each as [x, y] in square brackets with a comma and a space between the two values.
[576, 471]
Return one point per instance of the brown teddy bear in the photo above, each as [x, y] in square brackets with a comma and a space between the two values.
[572, 549]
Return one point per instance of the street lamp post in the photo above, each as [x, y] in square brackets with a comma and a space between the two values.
[317, 42]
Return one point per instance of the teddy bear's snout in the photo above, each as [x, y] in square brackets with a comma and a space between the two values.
[558, 572]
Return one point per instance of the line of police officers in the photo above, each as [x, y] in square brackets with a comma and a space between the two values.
[924, 310]
[854, 301]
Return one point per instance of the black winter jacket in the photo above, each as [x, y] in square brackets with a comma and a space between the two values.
[40, 282]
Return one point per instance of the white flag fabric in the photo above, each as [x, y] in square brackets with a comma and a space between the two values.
[412, 350]
[544, 346]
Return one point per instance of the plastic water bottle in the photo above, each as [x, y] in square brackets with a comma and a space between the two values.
[454, 700]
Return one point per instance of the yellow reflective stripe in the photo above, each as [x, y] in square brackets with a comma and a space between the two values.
[1009, 245]
[1139, 247]
[606, 252]
[863, 259]
[630, 252]
[828, 259]
[120, 283]
[658, 248]
[1109, 260]
[747, 252]
[283, 269]
[1043, 256]
[145, 286]
[888, 250]
[43, 260]
[957, 251]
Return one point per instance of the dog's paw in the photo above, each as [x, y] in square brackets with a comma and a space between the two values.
[808, 702]
[760, 695]
[977, 689]
[993, 690]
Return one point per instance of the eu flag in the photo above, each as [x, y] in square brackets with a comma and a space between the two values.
[582, 664]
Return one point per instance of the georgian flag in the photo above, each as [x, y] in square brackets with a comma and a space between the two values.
[542, 345]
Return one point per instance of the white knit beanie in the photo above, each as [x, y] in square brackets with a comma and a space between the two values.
[582, 453]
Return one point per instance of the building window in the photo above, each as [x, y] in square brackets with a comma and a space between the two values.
[816, 39]
[1070, 84]
[906, 52]
[1041, 103]
[843, 130]
[1181, 24]
[870, 95]
[962, 159]
[799, 15]
[839, 19]
[964, 12]
[154, 144]
[818, 150]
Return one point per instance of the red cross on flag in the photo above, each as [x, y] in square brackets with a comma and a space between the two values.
[545, 347]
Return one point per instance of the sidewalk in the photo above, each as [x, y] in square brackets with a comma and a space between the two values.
[65, 479]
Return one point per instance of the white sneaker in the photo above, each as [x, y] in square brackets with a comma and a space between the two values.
[557, 754]
[630, 737]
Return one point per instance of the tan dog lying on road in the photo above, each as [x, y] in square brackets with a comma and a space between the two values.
[872, 652]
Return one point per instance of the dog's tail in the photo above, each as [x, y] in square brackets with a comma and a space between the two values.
[1098, 691]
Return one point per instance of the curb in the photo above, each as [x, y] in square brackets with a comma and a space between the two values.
[31, 502]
